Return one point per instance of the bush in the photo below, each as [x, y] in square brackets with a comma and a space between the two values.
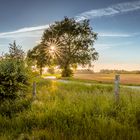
[13, 78]
[10, 107]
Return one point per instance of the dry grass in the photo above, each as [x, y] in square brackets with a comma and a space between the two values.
[125, 78]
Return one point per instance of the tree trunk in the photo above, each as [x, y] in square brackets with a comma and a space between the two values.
[40, 70]
[67, 72]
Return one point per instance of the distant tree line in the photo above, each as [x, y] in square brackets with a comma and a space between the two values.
[107, 71]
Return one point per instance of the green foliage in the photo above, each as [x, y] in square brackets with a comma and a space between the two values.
[65, 43]
[15, 52]
[76, 111]
[73, 42]
[13, 78]
[39, 57]
[67, 72]
[9, 108]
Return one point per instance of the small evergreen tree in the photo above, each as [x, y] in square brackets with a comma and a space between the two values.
[13, 73]
[15, 52]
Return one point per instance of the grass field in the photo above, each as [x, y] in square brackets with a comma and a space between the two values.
[129, 79]
[72, 111]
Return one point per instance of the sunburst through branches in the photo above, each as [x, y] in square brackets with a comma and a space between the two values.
[53, 48]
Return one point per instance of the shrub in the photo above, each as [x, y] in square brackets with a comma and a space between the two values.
[10, 107]
[13, 78]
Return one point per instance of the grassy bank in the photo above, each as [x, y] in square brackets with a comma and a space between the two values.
[72, 111]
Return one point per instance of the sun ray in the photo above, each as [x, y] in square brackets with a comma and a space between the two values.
[53, 47]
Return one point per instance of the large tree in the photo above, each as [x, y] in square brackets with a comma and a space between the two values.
[68, 42]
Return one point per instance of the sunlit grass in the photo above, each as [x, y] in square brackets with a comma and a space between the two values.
[75, 111]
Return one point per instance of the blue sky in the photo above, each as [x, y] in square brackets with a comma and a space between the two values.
[117, 23]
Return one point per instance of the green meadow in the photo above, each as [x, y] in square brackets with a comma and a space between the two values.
[71, 111]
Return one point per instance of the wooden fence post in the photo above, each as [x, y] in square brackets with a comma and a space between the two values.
[117, 87]
[34, 89]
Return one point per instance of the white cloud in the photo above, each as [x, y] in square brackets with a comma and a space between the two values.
[36, 32]
[109, 34]
[25, 32]
[101, 47]
[106, 46]
[110, 11]
[27, 29]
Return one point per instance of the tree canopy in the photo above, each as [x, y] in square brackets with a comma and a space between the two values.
[65, 43]
[39, 56]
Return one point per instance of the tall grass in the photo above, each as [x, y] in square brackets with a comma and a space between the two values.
[75, 111]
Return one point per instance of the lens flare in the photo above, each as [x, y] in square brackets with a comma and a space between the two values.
[53, 48]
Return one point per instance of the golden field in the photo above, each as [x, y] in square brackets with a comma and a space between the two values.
[133, 79]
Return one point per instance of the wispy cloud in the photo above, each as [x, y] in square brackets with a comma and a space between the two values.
[37, 31]
[117, 34]
[106, 46]
[109, 34]
[25, 32]
[110, 11]
[102, 47]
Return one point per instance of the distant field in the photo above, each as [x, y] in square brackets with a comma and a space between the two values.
[125, 78]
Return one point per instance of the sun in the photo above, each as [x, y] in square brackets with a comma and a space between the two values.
[53, 47]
